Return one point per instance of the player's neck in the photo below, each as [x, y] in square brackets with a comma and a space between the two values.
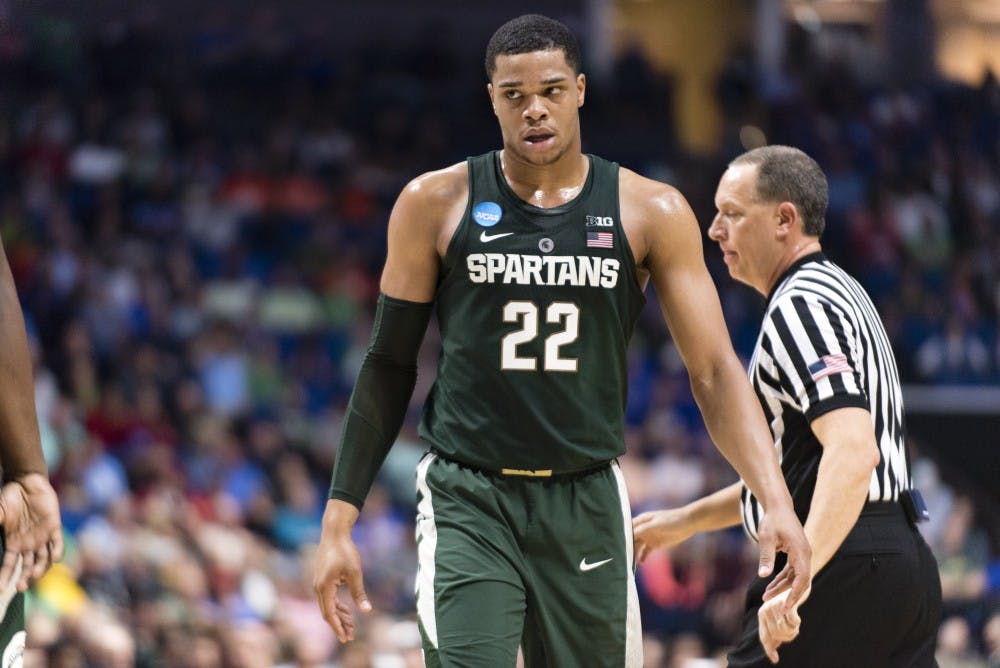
[550, 185]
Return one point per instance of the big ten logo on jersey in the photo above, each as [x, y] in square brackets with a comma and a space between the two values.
[600, 221]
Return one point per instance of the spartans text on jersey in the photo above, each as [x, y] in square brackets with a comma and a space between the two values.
[516, 269]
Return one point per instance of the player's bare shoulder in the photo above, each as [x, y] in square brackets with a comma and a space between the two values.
[648, 199]
[439, 188]
[434, 202]
[652, 212]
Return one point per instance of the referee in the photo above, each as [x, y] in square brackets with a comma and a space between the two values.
[825, 376]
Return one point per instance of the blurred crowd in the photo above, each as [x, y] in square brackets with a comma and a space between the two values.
[196, 226]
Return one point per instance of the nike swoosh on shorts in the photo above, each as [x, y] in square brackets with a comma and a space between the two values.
[584, 566]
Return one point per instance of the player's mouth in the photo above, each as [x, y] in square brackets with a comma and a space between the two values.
[539, 139]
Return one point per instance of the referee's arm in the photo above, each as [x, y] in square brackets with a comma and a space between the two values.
[850, 454]
[803, 328]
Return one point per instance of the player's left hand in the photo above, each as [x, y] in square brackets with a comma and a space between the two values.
[29, 514]
[778, 622]
[780, 530]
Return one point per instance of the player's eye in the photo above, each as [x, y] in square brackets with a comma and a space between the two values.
[512, 94]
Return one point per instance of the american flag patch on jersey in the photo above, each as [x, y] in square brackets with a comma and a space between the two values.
[827, 365]
[600, 239]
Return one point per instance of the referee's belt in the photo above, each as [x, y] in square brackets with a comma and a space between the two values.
[910, 505]
[530, 473]
[881, 509]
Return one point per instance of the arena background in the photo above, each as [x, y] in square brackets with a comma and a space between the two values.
[193, 198]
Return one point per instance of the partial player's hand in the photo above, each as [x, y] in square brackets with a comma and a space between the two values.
[781, 583]
[779, 622]
[781, 530]
[659, 528]
[338, 563]
[29, 514]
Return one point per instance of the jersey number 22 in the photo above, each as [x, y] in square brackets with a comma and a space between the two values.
[525, 312]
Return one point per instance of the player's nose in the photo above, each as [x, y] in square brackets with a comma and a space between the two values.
[536, 110]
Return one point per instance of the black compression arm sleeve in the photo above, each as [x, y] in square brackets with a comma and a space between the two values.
[381, 395]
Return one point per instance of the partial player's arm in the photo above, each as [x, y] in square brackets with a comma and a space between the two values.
[668, 527]
[385, 382]
[673, 256]
[29, 509]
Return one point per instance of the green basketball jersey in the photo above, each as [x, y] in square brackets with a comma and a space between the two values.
[536, 308]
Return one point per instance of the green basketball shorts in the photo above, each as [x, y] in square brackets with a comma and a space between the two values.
[541, 563]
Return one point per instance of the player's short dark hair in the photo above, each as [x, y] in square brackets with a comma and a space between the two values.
[786, 174]
[532, 32]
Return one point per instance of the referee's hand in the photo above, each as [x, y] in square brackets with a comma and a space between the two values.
[780, 530]
[775, 625]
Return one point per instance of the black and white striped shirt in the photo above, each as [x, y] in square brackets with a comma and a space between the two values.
[822, 346]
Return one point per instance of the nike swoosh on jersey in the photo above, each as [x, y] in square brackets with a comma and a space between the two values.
[584, 566]
[490, 237]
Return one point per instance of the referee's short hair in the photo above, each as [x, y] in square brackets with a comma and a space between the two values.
[786, 174]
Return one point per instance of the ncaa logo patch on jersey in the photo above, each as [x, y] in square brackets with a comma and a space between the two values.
[487, 214]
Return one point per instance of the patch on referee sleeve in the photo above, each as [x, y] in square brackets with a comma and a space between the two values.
[827, 365]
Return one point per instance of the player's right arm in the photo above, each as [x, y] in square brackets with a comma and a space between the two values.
[421, 222]
[29, 509]
[669, 241]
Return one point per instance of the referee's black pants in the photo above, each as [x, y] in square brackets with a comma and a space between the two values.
[876, 604]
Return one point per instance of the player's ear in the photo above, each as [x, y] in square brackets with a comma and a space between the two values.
[581, 88]
[493, 102]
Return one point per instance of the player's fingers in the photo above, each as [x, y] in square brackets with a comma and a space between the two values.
[42, 564]
[642, 520]
[767, 549]
[56, 545]
[774, 589]
[357, 588]
[799, 559]
[7, 567]
[336, 623]
[348, 626]
[641, 551]
[345, 613]
[799, 587]
[780, 583]
[27, 568]
[326, 596]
